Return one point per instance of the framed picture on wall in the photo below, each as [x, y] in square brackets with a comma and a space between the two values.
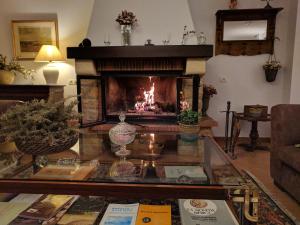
[30, 35]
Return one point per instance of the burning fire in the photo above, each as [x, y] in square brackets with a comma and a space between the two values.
[148, 103]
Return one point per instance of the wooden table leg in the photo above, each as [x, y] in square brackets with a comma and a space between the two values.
[253, 135]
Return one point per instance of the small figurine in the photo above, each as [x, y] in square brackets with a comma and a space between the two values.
[85, 43]
[268, 6]
[149, 42]
[233, 4]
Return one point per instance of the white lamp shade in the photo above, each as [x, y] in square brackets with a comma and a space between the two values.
[49, 53]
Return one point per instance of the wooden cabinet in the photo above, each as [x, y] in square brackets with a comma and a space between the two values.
[29, 92]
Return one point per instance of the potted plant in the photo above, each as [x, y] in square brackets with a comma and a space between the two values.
[39, 127]
[8, 71]
[189, 124]
[208, 92]
[271, 67]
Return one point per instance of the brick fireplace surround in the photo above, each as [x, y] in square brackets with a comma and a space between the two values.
[186, 63]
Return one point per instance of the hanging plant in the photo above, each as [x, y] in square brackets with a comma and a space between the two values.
[271, 67]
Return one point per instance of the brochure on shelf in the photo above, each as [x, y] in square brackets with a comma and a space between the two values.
[154, 215]
[120, 214]
[205, 212]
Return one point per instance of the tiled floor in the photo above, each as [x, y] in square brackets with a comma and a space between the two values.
[258, 163]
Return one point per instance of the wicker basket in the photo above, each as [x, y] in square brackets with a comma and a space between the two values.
[44, 148]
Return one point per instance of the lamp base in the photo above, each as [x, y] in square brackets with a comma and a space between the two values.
[51, 75]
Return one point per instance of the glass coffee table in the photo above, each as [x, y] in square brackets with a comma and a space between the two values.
[160, 166]
[158, 163]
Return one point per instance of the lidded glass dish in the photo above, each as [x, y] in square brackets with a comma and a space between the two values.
[122, 134]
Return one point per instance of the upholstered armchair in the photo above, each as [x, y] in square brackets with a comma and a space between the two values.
[285, 156]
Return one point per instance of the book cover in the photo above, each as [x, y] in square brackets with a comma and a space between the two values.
[83, 218]
[10, 210]
[205, 212]
[174, 172]
[46, 207]
[120, 214]
[54, 172]
[52, 221]
[154, 215]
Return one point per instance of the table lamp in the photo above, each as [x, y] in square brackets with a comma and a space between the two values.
[49, 53]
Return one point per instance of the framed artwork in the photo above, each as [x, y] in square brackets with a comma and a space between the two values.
[30, 35]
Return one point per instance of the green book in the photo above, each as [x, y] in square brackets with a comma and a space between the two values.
[196, 172]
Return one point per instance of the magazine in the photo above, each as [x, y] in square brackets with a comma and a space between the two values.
[154, 215]
[10, 210]
[120, 214]
[46, 207]
[52, 221]
[205, 212]
[83, 218]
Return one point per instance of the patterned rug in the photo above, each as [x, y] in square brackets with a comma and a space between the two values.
[270, 211]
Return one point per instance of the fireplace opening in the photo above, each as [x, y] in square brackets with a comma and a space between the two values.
[142, 96]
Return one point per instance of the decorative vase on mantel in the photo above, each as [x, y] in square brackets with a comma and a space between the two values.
[205, 104]
[126, 34]
[126, 20]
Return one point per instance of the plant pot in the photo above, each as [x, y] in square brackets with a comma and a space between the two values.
[32, 147]
[271, 74]
[189, 133]
[6, 77]
[205, 105]
[7, 147]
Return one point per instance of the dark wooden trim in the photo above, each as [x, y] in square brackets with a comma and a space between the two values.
[196, 84]
[251, 47]
[244, 139]
[114, 189]
[169, 51]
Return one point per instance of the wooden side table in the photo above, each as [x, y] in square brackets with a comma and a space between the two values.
[254, 132]
[52, 93]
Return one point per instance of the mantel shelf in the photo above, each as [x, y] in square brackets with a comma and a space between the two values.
[156, 51]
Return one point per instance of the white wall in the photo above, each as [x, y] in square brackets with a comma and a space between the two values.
[156, 20]
[73, 19]
[241, 79]
[244, 77]
[295, 90]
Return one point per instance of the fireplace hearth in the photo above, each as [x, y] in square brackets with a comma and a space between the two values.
[142, 96]
[148, 83]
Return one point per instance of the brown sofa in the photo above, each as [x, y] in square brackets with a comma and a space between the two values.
[285, 157]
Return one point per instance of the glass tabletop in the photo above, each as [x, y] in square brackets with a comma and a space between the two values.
[155, 158]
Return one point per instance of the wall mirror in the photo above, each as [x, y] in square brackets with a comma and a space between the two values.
[246, 31]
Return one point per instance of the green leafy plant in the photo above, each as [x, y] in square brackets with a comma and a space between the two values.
[15, 67]
[39, 120]
[272, 63]
[188, 117]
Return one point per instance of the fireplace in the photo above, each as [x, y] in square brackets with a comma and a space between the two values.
[148, 83]
[146, 96]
